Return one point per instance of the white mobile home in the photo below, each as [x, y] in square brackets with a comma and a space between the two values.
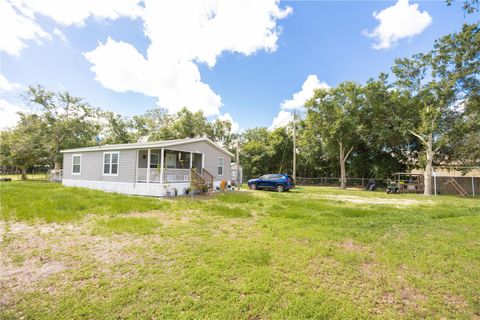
[150, 168]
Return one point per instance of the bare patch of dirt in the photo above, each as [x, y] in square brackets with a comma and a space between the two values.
[166, 218]
[33, 253]
[14, 278]
[369, 270]
[351, 246]
[456, 302]
[403, 299]
[379, 201]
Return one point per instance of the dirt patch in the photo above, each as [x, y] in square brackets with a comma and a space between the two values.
[166, 218]
[403, 299]
[22, 278]
[379, 201]
[456, 302]
[33, 253]
[351, 246]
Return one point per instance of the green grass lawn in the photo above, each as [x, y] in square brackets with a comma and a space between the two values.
[30, 176]
[313, 253]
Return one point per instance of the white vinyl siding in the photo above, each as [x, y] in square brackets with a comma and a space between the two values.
[110, 163]
[220, 166]
[76, 164]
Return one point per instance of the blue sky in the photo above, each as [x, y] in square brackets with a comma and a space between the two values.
[326, 39]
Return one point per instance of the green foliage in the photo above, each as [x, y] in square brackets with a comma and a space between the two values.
[469, 6]
[51, 202]
[67, 121]
[121, 225]
[265, 151]
[311, 253]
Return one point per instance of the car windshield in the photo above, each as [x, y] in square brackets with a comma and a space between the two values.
[265, 177]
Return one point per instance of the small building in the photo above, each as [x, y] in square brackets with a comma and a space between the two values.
[147, 168]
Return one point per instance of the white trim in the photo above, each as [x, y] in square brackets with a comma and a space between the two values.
[141, 189]
[223, 166]
[110, 174]
[145, 145]
[136, 166]
[162, 156]
[77, 173]
[149, 151]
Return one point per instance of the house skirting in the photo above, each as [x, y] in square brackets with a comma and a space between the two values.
[141, 189]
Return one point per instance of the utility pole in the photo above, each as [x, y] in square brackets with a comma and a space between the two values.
[294, 175]
[238, 166]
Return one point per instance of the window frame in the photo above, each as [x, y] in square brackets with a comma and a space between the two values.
[73, 157]
[110, 174]
[223, 166]
[158, 160]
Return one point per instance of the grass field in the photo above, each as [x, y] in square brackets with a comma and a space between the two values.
[313, 253]
[30, 176]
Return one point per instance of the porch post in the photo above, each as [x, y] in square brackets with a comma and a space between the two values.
[136, 167]
[161, 165]
[191, 160]
[148, 165]
[203, 161]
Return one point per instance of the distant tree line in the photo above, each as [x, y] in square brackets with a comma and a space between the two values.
[63, 121]
[427, 114]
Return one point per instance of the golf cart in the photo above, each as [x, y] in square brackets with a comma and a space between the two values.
[393, 187]
[405, 183]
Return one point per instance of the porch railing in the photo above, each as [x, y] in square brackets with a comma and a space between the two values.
[169, 175]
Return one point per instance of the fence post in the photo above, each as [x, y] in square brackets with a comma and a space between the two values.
[473, 187]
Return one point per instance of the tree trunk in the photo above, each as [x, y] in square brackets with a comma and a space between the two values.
[24, 174]
[58, 164]
[427, 191]
[343, 175]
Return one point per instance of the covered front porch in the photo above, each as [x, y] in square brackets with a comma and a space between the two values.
[167, 166]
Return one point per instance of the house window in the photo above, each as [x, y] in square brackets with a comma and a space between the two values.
[154, 160]
[110, 163]
[171, 160]
[220, 166]
[76, 163]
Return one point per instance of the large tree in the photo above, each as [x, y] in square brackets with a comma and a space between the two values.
[440, 83]
[118, 129]
[333, 116]
[69, 122]
[27, 143]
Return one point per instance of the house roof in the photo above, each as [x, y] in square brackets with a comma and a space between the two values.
[152, 144]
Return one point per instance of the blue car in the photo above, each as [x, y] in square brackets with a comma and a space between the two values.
[277, 182]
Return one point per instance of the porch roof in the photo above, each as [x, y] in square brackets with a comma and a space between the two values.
[148, 145]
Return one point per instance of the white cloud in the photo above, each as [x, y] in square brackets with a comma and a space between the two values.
[281, 120]
[16, 29]
[59, 33]
[299, 98]
[6, 85]
[18, 18]
[75, 12]
[228, 117]
[179, 39]
[402, 20]
[8, 114]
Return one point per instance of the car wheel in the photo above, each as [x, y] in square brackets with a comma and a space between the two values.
[253, 186]
[280, 188]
